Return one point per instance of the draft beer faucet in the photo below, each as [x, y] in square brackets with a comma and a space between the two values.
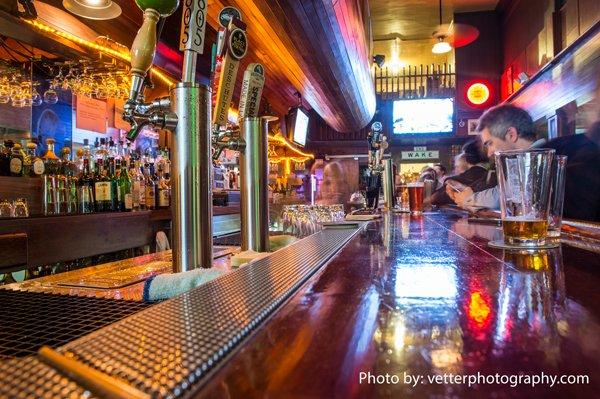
[380, 164]
[186, 112]
[377, 146]
[137, 113]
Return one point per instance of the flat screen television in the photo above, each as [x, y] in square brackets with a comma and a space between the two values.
[298, 122]
[423, 116]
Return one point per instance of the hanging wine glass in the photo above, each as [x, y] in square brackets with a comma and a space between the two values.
[36, 98]
[102, 89]
[17, 101]
[67, 83]
[4, 92]
[50, 95]
[14, 86]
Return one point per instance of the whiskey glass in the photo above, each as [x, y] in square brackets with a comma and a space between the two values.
[20, 208]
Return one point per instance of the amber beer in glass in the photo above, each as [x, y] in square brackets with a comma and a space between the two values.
[415, 197]
[524, 179]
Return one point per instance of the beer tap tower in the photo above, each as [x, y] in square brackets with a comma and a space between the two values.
[186, 112]
[381, 163]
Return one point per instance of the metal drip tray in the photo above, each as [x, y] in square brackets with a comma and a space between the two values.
[119, 278]
[30, 320]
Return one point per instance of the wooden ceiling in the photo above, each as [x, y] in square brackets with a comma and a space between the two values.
[417, 19]
[314, 47]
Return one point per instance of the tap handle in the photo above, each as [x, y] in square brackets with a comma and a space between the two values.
[142, 52]
[252, 87]
[237, 46]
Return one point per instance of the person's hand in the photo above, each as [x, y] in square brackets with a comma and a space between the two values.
[461, 197]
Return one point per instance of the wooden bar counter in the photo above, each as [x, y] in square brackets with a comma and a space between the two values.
[425, 296]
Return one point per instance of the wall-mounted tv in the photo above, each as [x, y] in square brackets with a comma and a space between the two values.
[423, 116]
[298, 123]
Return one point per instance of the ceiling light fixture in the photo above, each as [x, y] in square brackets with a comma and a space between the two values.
[441, 46]
[93, 9]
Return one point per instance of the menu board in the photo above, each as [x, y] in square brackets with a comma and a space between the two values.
[91, 114]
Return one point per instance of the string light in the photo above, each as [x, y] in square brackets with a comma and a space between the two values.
[95, 46]
[284, 142]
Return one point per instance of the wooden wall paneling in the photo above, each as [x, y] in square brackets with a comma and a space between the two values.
[589, 14]
[571, 21]
[13, 248]
[479, 61]
[532, 64]
[575, 75]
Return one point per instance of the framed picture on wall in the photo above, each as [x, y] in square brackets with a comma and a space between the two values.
[472, 127]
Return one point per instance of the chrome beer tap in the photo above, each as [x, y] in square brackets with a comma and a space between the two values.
[377, 145]
[186, 112]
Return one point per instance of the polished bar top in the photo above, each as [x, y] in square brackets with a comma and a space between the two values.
[425, 296]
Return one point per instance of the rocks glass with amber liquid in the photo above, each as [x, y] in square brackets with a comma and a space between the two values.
[525, 179]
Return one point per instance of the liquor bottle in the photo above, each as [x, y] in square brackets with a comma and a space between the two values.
[87, 151]
[51, 160]
[112, 149]
[16, 161]
[114, 184]
[68, 177]
[164, 189]
[51, 170]
[35, 165]
[102, 189]
[85, 189]
[125, 190]
[141, 178]
[150, 186]
[94, 149]
[135, 187]
[5, 154]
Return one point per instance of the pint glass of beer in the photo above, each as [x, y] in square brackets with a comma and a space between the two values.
[525, 178]
[557, 195]
[415, 197]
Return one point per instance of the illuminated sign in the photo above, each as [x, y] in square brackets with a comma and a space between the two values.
[407, 155]
[478, 93]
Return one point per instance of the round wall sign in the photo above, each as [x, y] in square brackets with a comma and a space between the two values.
[478, 93]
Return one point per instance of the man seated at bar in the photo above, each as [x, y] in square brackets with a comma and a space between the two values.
[507, 127]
